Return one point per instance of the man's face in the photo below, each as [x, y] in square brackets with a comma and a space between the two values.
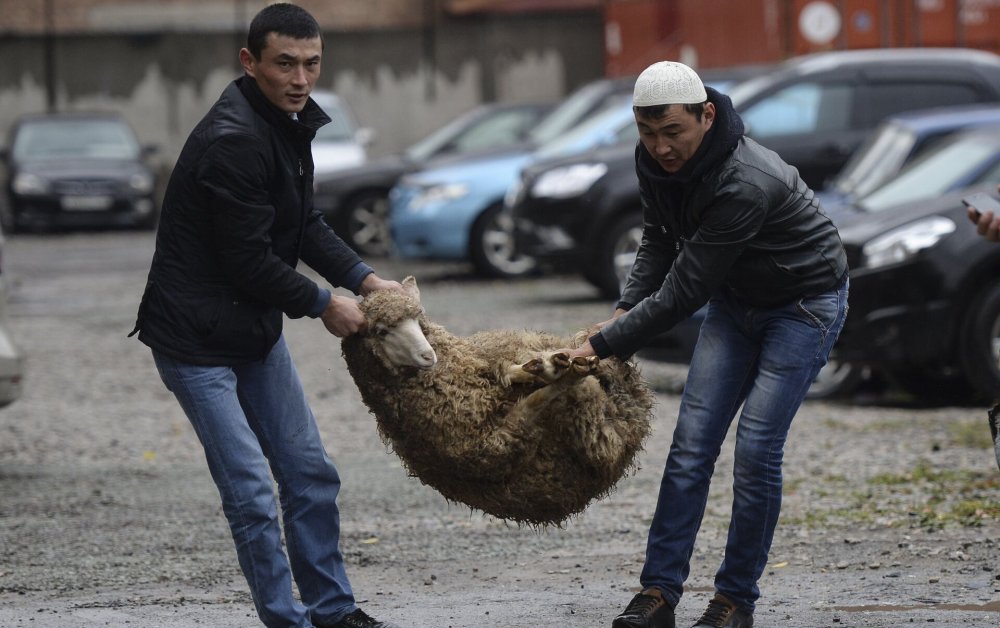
[674, 137]
[287, 70]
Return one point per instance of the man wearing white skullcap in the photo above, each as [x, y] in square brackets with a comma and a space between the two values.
[727, 223]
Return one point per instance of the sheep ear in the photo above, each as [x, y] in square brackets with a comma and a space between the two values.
[410, 285]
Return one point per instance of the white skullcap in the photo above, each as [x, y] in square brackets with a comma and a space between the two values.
[668, 83]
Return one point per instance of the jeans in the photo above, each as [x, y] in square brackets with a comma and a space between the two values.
[763, 360]
[253, 420]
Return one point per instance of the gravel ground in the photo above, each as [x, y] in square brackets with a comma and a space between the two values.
[108, 516]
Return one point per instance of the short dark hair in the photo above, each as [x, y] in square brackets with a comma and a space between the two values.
[284, 19]
[658, 111]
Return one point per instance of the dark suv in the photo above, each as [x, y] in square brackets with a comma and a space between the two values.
[815, 111]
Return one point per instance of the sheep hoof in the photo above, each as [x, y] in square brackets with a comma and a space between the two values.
[585, 366]
[552, 367]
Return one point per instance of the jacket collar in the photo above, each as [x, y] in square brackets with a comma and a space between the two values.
[309, 119]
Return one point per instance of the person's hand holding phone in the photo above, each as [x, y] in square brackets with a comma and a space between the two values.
[984, 212]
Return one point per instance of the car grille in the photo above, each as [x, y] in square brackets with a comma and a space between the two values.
[84, 187]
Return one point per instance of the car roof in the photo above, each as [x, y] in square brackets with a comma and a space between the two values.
[70, 115]
[947, 117]
[819, 61]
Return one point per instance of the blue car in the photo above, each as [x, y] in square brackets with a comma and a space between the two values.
[454, 211]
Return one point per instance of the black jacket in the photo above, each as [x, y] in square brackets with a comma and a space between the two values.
[237, 217]
[735, 217]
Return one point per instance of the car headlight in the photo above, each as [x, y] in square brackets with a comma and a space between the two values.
[141, 183]
[904, 242]
[567, 181]
[26, 184]
[438, 194]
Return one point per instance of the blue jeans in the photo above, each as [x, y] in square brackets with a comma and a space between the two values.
[253, 420]
[763, 360]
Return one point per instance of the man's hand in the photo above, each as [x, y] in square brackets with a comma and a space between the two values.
[586, 350]
[987, 225]
[343, 317]
[373, 282]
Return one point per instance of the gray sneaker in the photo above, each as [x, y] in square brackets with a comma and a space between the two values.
[723, 613]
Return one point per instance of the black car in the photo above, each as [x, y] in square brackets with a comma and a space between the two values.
[925, 298]
[594, 225]
[354, 201]
[76, 170]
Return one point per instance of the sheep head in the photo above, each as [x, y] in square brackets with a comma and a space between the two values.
[395, 333]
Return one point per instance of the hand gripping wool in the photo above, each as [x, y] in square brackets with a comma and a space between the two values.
[668, 83]
[498, 420]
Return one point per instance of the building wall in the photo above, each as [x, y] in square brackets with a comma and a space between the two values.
[402, 81]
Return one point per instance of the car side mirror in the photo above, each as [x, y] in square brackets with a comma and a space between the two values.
[150, 149]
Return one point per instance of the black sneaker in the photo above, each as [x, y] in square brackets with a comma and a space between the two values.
[646, 610]
[722, 613]
[359, 619]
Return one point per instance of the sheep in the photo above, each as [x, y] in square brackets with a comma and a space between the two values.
[499, 420]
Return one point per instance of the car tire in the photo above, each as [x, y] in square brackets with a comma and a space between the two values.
[614, 255]
[979, 348]
[835, 379]
[491, 246]
[362, 222]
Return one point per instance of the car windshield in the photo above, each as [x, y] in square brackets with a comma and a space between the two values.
[74, 139]
[935, 173]
[474, 132]
[876, 161]
[611, 125]
[339, 129]
[567, 114]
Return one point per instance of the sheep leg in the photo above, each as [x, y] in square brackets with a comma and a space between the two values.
[554, 367]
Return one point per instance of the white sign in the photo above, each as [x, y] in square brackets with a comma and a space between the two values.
[819, 22]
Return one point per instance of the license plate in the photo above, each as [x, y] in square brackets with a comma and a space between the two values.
[86, 203]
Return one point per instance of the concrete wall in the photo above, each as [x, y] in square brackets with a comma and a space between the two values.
[403, 83]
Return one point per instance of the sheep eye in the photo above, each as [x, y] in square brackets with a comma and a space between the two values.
[381, 332]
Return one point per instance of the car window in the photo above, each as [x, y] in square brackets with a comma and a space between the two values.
[62, 139]
[880, 157]
[568, 113]
[887, 99]
[801, 109]
[991, 175]
[499, 130]
[340, 128]
[934, 173]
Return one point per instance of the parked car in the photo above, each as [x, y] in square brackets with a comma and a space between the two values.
[453, 210]
[342, 142]
[925, 297]
[355, 201]
[813, 110]
[816, 110]
[896, 142]
[12, 359]
[76, 169]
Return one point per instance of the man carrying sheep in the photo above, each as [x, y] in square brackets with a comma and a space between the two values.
[728, 223]
[237, 217]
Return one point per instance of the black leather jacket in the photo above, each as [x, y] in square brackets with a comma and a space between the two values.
[736, 217]
[237, 217]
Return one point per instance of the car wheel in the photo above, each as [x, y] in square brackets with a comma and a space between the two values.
[979, 350]
[363, 223]
[615, 255]
[492, 246]
[835, 379]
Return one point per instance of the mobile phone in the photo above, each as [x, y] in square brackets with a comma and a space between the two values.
[982, 202]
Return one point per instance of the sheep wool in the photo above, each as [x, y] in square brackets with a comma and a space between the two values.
[480, 431]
